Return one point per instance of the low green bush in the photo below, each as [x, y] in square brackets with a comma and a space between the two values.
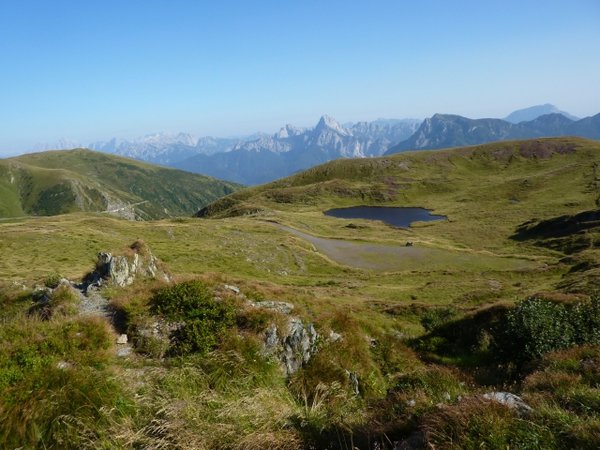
[536, 327]
[204, 318]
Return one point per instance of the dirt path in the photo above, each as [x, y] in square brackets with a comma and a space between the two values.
[93, 303]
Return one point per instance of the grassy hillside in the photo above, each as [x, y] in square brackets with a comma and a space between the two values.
[485, 191]
[59, 182]
[409, 341]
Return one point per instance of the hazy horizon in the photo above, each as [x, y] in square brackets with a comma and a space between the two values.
[127, 69]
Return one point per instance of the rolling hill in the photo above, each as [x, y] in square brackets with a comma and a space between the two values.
[408, 177]
[58, 182]
[489, 193]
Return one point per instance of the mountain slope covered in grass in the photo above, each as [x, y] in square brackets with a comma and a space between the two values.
[58, 182]
[515, 175]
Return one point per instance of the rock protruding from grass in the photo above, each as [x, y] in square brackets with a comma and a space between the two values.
[293, 346]
[122, 270]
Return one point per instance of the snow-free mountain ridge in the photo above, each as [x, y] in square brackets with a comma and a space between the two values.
[448, 130]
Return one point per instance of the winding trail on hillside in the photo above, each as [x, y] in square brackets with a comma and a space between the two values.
[386, 257]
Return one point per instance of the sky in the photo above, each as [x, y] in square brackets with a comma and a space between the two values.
[96, 69]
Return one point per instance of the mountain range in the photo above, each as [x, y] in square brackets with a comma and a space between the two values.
[292, 149]
[447, 130]
[164, 148]
[262, 157]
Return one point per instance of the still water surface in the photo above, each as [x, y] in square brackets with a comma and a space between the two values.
[395, 216]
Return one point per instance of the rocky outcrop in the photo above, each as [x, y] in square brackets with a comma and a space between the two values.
[292, 346]
[509, 400]
[122, 270]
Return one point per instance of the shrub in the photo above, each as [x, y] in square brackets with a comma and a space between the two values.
[537, 326]
[204, 317]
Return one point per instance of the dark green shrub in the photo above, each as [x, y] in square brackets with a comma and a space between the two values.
[585, 317]
[538, 326]
[204, 318]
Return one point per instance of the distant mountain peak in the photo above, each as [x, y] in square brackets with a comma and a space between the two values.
[328, 122]
[288, 131]
[60, 144]
[533, 112]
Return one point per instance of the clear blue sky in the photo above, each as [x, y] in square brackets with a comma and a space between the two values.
[94, 69]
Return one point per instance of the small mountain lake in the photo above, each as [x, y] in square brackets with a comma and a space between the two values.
[395, 216]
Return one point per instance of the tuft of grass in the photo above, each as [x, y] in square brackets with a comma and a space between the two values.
[474, 423]
[52, 280]
[56, 390]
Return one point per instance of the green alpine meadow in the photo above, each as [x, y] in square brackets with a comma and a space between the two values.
[263, 323]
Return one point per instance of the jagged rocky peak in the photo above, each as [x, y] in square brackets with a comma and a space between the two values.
[329, 123]
[122, 270]
[288, 131]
